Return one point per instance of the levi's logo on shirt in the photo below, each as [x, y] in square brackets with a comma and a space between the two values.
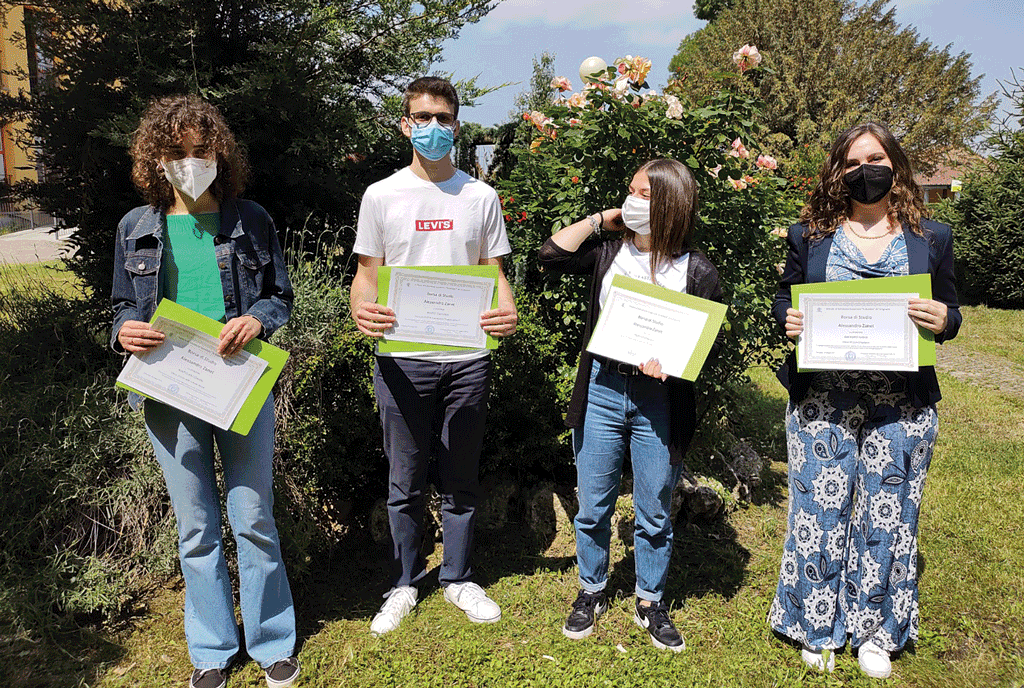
[434, 225]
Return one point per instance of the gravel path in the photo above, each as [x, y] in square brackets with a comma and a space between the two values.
[37, 245]
[981, 369]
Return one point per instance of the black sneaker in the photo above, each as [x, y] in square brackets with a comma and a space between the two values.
[208, 678]
[658, 624]
[283, 673]
[585, 611]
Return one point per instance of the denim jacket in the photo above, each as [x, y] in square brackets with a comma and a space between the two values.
[252, 270]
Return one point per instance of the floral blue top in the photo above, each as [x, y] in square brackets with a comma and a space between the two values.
[846, 262]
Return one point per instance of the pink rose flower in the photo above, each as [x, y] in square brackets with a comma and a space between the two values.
[561, 83]
[739, 150]
[737, 184]
[575, 122]
[714, 171]
[746, 58]
[578, 100]
[633, 68]
[767, 162]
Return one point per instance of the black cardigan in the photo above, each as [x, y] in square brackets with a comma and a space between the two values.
[594, 257]
[931, 253]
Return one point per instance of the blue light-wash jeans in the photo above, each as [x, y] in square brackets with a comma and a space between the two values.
[184, 449]
[625, 412]
[432, 411]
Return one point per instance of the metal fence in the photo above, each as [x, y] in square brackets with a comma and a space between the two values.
[14, 218]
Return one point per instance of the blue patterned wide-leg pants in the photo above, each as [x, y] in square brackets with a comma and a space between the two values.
[858, 455]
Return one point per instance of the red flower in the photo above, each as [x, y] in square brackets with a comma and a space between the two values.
[575, 180]
[522, 216]
[508, 217]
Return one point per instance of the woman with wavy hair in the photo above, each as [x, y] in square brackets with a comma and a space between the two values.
[618, 407]
[196, 243]
[859, 442]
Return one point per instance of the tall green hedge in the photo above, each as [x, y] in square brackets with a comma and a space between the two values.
[988, 217]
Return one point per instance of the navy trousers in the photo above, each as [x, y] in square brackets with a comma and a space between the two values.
[432, 412]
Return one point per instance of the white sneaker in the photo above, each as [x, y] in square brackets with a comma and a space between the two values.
[816, 659]
[399, 603]
[471, 598]
[874, 661]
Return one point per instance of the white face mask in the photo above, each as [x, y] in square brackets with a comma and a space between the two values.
[636, 214]
[190, 176]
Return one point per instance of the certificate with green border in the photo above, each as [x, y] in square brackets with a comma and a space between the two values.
[714, 311]
[386, 346]
[900, 284]
[274, 357]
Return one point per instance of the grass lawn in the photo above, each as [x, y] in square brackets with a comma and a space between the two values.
[51, 276]
[992, 331]
[720, 588]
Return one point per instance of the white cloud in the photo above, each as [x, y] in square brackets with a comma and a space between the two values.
[593, 13]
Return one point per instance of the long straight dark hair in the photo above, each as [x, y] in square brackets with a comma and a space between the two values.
[674, 194]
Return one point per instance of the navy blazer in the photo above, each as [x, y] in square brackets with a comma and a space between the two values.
[930, 253]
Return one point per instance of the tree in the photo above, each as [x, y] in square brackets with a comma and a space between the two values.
[309, 85]
[835, 63]
[708, 10]
[988, 215]
[508, 135]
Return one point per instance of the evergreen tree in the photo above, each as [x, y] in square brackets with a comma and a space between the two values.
[988, 215]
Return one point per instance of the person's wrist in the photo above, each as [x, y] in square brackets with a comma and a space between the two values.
[595, 224]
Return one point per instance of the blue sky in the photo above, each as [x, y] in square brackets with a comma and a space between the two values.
[501, 47]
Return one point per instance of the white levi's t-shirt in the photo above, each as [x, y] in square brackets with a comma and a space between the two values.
[632, 262]
[407, 220]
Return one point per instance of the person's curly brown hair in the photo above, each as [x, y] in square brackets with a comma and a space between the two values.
[829, 205]
[163, 126]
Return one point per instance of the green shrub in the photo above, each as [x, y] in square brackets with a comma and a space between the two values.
[582, 156]
[83, 515]
[329, 430]
[988, 217]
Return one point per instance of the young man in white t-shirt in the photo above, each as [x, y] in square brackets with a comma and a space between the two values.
[432, 404]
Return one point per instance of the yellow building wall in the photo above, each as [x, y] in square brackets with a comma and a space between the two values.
[18, 163]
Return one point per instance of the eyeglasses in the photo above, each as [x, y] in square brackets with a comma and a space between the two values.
[422, 118]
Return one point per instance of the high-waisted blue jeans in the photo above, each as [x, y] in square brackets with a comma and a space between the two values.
[184, 448]
[625, 412]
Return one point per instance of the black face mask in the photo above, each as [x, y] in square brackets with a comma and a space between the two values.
[869, 183]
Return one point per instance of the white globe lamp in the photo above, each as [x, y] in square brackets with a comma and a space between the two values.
[591, 65]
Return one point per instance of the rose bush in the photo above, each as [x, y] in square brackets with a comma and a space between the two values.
[584, 150]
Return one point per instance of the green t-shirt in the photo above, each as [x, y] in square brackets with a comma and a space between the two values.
[191, 277]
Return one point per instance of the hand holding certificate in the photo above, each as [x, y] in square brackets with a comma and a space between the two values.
[641, 321]
[857, 331]
[187, 372]
[887, 338]
[437, 308]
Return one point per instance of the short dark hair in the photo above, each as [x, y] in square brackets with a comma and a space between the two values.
[829, 204]
[431, 86]
[163, 126]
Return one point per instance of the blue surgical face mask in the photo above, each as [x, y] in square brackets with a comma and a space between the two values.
[432, 140]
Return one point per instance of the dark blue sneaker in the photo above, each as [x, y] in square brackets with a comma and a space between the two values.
[208, 678]
[283, 674]
[655, 620]
[585, 612]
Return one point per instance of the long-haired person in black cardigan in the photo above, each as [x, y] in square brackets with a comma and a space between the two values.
[859, 442]
[618, 406]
